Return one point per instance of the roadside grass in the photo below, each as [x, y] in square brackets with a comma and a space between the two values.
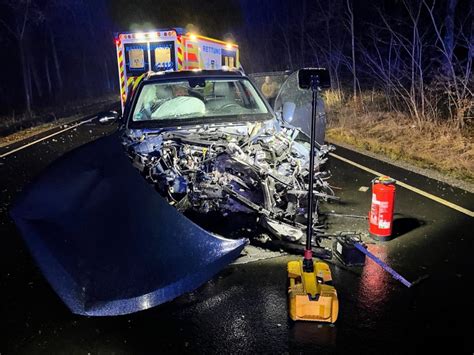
[434, 146]
[438, 146]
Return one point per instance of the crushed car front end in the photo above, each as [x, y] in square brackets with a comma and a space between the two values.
[211, 144]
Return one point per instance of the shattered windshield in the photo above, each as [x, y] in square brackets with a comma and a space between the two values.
[205, 98]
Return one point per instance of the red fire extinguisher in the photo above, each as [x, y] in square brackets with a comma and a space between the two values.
[381, 211]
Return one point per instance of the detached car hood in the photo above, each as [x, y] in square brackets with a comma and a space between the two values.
[106, 241]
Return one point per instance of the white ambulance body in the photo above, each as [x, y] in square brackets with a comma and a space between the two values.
[168, 50]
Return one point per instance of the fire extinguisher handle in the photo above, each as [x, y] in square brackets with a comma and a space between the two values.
[386, 180]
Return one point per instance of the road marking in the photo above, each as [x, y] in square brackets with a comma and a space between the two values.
[44, 138]
[408, 187]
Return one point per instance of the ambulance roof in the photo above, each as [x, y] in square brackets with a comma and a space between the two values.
[178, 30]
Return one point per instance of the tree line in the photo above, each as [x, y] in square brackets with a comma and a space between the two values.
[54, 51]
[417, 53]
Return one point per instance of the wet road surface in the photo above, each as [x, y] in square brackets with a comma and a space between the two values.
[244, 309]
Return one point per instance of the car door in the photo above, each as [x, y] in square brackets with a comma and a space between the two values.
[270, 83]
[290, 92]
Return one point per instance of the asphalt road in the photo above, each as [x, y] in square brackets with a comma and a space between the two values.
[244, 309]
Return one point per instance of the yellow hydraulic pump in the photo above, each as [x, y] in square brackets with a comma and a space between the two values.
[310, 297]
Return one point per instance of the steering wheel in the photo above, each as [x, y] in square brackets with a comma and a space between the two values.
[229, 105]
[197, 95]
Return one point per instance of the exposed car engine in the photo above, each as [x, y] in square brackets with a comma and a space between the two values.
[253, 168]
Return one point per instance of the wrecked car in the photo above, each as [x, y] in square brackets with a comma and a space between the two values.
[210, 143]
[137, 218]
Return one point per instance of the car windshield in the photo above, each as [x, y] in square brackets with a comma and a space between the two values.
[194, 99]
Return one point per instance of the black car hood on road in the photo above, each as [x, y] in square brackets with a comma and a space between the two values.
[106, 241]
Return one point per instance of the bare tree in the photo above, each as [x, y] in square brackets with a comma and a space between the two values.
[24, 13]
[449, 33]
[354, 72]
[457, 81]
[329, 39]
[302, 32]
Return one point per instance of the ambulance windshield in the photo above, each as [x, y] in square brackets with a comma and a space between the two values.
[176, 100]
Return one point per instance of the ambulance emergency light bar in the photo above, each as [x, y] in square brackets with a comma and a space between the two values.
[154, 34]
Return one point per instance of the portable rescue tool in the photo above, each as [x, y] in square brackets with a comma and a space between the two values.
[311, 297]
[346, 251]
[351, 251]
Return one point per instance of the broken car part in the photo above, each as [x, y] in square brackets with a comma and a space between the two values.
[228, 170]
[107, 242]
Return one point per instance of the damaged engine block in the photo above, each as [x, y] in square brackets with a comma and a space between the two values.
[248, 168]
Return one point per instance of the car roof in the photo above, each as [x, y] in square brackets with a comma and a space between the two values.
[184, 74]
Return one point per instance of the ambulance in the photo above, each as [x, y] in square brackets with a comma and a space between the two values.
[169, 50]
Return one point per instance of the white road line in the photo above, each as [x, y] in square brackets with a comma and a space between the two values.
[44, 138]
[408, 187]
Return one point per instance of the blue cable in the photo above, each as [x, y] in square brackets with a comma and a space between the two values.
[384, 266]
